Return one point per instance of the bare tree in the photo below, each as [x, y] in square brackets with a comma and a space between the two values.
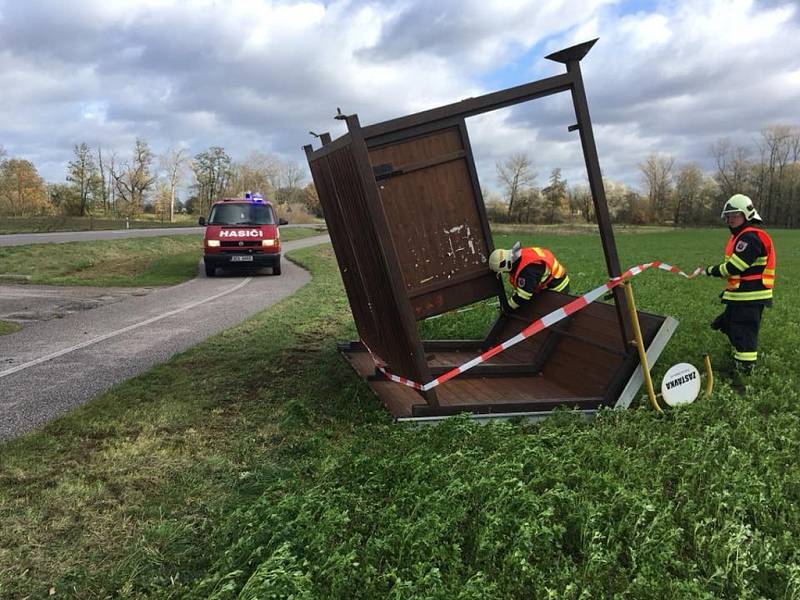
[528, 206]
[776, 148]
[163, 199]
[106, 188]
[292, 175]
[212, 172]
[104, 184]
[174, 162]
[515, 175]
[134, 179]
[82, 173]
[290, 180]
[688, 189]
[555, 194]
[656, 170]
[792, 214]
[580, 202]
[794, 145]
[621, 205]
[259, 172]
[733, 167]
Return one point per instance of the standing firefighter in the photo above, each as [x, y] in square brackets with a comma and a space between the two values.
[749, 267]
[530, 271]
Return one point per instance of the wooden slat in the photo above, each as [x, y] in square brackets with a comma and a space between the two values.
[409, 152]
[474, 106]
[596, 368]
[518, 407]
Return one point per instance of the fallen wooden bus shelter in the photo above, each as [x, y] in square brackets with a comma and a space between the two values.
[408, 225]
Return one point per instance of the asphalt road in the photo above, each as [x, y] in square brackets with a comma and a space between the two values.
[77, 342]
[19, 239]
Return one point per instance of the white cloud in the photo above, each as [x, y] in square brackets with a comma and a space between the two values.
[259, 75]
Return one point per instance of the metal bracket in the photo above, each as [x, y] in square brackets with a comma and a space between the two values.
[657, 346]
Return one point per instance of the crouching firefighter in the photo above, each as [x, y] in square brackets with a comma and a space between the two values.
[530, 270]
[749, 267]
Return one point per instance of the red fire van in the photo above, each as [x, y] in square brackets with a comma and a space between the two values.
[242, 233]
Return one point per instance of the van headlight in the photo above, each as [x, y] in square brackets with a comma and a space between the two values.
[267, 242]
[212, 243]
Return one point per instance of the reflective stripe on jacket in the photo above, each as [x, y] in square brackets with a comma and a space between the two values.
[553, 270]
[754, 281]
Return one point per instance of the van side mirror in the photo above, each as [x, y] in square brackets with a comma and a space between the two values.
[202, 221]
[282, 221]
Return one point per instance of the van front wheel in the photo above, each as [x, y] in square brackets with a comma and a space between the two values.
[210, 271]
[276, 270]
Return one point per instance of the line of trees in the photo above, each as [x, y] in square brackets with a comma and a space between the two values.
[677, 194]
[102, 184]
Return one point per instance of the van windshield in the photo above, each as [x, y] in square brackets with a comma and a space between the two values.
[243, 213]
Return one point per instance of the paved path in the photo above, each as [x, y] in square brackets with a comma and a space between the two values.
[19, 239]
[84, 340]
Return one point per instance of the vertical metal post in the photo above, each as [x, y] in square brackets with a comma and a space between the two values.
[598, 194]
[637, 331]
[709, 375]
[571, 57]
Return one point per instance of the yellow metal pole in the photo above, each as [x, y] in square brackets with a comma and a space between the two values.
[709, 375]
[637, 330]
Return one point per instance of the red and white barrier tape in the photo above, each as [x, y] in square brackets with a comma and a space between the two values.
[532, 329]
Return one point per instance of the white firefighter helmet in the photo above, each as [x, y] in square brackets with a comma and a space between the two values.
[500, 260]
[743, 204]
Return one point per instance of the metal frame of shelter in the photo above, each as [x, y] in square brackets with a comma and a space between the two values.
[411, 236]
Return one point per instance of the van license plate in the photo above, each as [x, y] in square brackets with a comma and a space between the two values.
[241, 259]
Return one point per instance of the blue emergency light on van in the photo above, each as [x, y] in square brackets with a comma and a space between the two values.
[253, 197]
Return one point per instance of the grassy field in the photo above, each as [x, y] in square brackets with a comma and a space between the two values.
[133, 262]
[8, 327]
[258, 465]
[65, 223]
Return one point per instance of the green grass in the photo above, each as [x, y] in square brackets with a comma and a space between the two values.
[576, 228]
[135, 262]
[7, 327]
[69, 223]
[258, 464]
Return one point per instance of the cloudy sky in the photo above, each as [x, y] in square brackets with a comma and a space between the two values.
[665, 77]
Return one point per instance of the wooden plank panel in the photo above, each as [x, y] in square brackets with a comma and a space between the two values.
[474, 391]
[495, 395]
[436, 222]
[596, 367]
[506, 392]
[438, 237]
[366, 262]
[417, 149]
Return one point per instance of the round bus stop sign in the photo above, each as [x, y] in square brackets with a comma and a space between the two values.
[680, 385]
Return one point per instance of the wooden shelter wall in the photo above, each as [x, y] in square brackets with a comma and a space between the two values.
[435, 220]
[365, 275]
